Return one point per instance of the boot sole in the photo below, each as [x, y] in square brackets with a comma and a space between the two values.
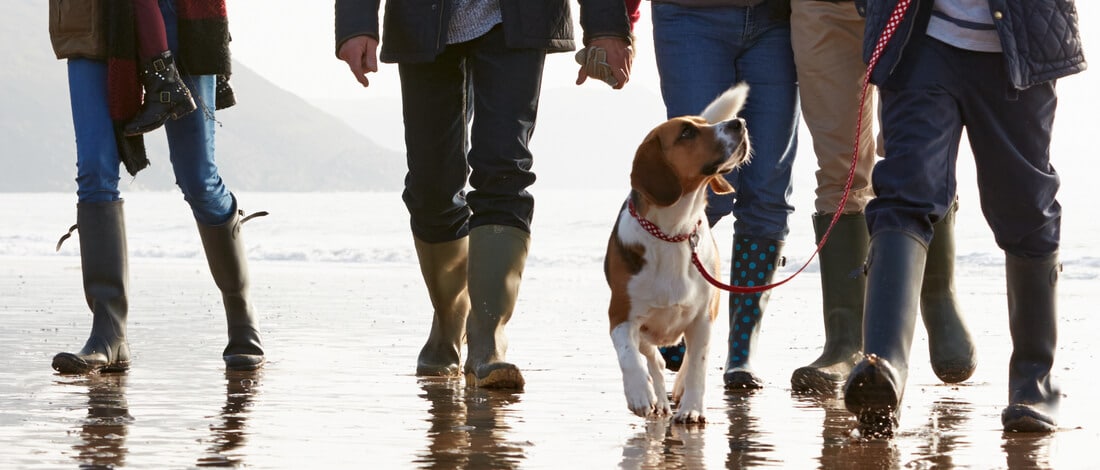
[953, 372]
[508, 378]
[873, 395]
[433, 370]
[1022, 418]
[71, 364]
[813, 381]
[742, 380]
[243, 362]
[172, 114]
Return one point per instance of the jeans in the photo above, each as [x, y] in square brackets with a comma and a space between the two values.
[934, 93]
[702, 52]
[190, 138]
[488, 93]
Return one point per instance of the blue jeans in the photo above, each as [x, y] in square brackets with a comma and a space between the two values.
[936, 91]
[190, 138]
[702, 52]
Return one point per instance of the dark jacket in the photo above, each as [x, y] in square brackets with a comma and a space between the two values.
[1040, 38]
[416, 30]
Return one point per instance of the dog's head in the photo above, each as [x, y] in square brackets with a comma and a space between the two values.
[684, 154]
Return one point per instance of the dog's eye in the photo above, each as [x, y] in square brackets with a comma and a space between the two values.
[688, 132]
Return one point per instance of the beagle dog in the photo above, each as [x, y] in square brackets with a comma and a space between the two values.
[657, 294]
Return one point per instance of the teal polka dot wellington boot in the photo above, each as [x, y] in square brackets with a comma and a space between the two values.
[754, 263]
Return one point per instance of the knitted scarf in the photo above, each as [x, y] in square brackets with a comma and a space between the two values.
[203, 50]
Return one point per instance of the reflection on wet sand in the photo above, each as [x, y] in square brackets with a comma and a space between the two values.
[665, 445]
[1027, 451]
[746, 447]
[948, 417]
[230, 434]
[468, 426]
[103, 432]
[839, 449]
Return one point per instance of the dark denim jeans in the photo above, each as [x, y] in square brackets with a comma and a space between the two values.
[934, 93]
[470, 112]
[190, 138]
[702, 52]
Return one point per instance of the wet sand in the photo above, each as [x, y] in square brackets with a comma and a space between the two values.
[339, 391]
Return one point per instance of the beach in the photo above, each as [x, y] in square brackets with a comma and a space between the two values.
[344, 313]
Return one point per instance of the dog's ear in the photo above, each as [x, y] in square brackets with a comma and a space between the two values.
[720, 185]
[653, 176]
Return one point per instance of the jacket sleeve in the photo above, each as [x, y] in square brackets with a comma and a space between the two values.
[633, 12]
[604, 18]
[356, 18]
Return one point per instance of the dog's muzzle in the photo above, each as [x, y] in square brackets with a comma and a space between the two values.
[734, 141]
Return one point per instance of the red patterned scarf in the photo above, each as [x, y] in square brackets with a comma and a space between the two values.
[203, 50]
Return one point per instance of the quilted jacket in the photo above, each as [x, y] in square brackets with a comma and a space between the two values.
[1040, 38]
[415, 30]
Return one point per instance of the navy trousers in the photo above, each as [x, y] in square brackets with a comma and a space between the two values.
[471, 112]
[934, 93]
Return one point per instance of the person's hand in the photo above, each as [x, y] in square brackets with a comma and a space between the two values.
[607, 59]
[361, 55]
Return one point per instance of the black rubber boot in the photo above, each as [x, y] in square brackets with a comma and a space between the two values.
[842, 290]
[497, 257]
[225, 254]
[444, 267]
[950, 347]
[876, 384]
[103, 262]
[166, 96]
[754, 263]
[1032, 319]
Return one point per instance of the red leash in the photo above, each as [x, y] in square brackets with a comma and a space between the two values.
[693, 238]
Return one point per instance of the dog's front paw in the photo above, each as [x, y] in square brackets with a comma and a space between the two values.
[643, 402]
[664, 407]
[689, 416]
[690, 410]
[640, 397]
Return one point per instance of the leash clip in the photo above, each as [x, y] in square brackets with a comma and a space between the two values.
[693, 241]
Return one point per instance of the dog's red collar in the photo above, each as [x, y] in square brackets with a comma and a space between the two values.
[656, 231]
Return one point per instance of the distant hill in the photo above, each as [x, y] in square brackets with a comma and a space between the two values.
[271, 141]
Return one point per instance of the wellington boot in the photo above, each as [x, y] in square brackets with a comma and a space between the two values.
[755, 261]
[225, 254]
[497, 257]
[1032, 319]
[876, 384]
[444, 267]
[166, 96]
[950, 347]
[103, 263]
[842, 290]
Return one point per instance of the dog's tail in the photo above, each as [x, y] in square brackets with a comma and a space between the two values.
[727, 105]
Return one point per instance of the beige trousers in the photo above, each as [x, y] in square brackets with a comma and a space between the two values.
[827, 38]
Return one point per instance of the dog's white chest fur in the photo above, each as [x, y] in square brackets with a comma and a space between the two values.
[669, 292]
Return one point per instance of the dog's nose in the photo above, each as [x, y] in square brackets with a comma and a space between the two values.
[736, 124]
